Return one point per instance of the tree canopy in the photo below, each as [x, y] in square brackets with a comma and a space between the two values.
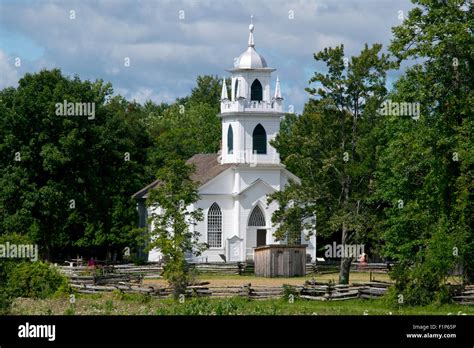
[67, 180]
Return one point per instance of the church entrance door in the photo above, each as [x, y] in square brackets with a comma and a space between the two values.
[261, 237]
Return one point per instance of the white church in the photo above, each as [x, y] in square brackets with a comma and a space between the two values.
[234, 185]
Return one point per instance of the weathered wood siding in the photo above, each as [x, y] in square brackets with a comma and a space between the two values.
[280, 261]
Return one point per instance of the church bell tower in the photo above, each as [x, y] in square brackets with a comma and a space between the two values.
[251, 114]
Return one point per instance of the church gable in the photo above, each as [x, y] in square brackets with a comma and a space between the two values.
[259, 182]
[258, 192]
[219, 184]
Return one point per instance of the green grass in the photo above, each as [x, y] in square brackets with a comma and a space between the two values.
[119, 304]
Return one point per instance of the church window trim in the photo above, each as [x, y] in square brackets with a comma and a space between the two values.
[214, 226]
[257, 217]
[259, 140]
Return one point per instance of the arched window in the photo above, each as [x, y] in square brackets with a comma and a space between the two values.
[236, 88]
[259, 137]
[256, 91]
[214, 226]
[257, 219]
[230, 140]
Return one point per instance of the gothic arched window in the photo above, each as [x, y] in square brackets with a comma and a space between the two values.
[236, 88]
[256, 91]
[257, 219]
[259, 140]
[230, 140]
[214, 226]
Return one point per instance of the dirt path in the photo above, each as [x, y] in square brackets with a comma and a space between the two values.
[236, 280]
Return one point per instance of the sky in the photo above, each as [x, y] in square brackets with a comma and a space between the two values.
[169, 43]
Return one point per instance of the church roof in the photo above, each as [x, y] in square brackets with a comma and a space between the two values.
[207, 167]
[250, 59]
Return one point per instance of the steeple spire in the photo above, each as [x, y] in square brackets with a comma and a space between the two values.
[238, 93]
[251, 27]
[224, 91]
[277, 90]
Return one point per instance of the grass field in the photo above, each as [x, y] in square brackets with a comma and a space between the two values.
[118, 304]
[131, 304]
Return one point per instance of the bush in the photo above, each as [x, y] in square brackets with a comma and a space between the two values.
[289, 290]
[5, 302]
[6, 268]
[65, 291]
[33, 279]
[418, 285]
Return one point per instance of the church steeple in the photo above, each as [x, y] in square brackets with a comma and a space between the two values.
[251, 116]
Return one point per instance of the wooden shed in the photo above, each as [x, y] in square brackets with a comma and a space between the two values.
[280, 261]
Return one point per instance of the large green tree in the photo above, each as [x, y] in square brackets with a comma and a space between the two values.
[330, 147]
[424, 170]
[66, 181]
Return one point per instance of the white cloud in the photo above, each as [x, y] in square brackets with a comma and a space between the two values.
[9, 74]
[167, 53]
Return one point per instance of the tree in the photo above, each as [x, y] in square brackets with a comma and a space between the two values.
[66, 180]
[424, 170]
[172, 201]
[188, 126]
[207, 91]
[330, 148]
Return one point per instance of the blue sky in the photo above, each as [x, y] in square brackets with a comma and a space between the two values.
[169, 43]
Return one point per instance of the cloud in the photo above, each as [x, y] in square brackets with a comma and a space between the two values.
[8, 72]
[170, 43]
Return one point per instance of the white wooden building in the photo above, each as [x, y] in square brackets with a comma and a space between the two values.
[234, 184]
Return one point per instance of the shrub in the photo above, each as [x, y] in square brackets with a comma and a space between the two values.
[34, 279]
[289, 290]
[418, 285]
[7, 266]
[65, 291]
[5, 302]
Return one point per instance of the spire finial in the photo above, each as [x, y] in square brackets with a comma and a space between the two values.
[251, 27]
[224, 91]
[277, 90]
